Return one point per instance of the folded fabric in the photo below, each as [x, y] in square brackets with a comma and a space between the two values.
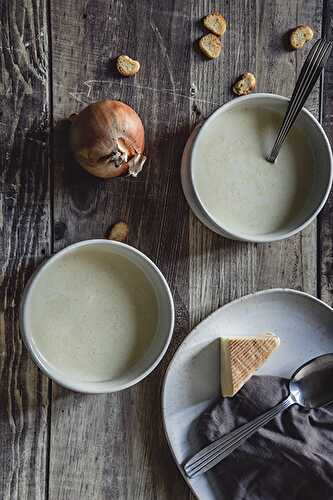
[291, 458]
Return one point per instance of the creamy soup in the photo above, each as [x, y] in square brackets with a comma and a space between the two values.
[92, 314]
[237, 186]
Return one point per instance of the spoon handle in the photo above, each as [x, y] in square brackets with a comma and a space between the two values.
[212, 454]
[309, 74]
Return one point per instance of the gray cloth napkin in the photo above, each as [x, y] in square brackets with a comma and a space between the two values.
[291, 458]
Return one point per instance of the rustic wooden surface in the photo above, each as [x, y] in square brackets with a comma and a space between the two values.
[325, 239]
[56, 57]
[24, 240]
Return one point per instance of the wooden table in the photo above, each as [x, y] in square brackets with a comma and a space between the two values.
[56, 58]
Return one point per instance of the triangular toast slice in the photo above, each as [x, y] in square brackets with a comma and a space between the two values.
[241, 357]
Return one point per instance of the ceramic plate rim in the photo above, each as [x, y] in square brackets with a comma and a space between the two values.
[244, 298]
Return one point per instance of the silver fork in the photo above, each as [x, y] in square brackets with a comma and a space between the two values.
[308, 388]
[215, 452]
[309, 74]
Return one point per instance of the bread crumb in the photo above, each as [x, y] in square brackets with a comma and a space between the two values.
[300, 36]
[215, 23]
[119, 232]
[210, 45]
[245, 84]
[127, 66]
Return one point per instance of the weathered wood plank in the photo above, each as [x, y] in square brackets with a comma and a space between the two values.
[24, 240]
[221, 270]
[326, 217]
[114, 446]
[291, 263]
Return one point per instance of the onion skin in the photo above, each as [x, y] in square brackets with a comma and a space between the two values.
[107, 139]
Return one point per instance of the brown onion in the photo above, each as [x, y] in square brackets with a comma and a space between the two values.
[107, 139]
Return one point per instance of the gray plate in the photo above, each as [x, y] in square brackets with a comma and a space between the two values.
[305, 327]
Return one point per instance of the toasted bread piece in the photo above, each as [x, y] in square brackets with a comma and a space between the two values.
[127, 66]
[210, 45]
[119, 232]
[245, 84]
[241, 357]
[300, 36]
[215, 23]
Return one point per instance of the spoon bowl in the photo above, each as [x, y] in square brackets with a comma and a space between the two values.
[311, 385]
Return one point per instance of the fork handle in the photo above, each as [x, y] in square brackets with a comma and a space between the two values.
[222, 447]
[309, 74]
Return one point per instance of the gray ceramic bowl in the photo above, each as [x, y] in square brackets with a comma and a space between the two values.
[323, 167]
[156, 349]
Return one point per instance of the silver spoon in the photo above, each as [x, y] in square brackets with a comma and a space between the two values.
[311, 69]
[311, 386]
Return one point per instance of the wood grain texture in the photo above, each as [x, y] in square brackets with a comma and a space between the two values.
[326, 217]
[24, 240]
[222, 270]
[114, 446]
